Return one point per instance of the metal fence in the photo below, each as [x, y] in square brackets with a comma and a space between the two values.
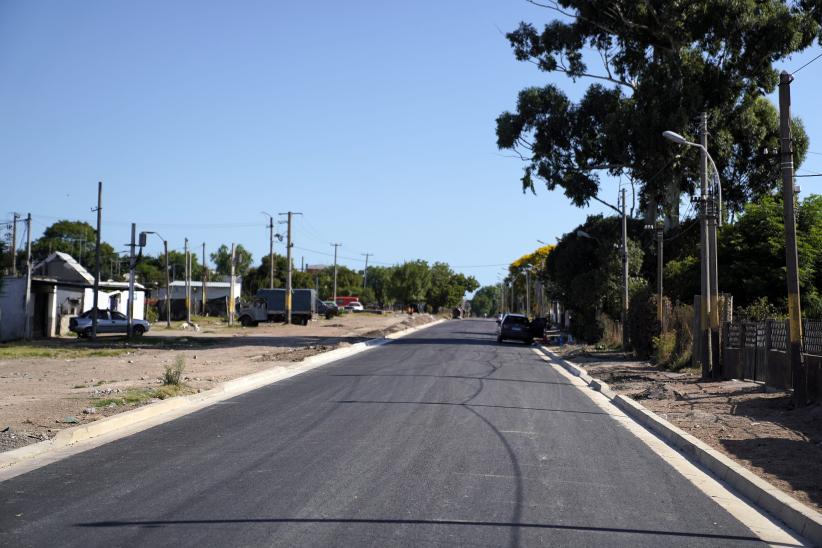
[772, 335]
[758, 351]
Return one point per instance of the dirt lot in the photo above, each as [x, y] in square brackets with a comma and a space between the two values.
[50, 385]
[759, 430]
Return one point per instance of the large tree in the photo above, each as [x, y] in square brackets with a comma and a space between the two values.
[585, 269]
[486, 301]
[410, 282]
[75, 238]
[222, 260]
[448, 288]
[661, 63]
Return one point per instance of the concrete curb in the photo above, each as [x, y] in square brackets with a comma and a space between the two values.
[804, 520]
[182, 405]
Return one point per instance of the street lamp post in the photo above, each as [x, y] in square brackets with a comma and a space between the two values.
[168, 284]
[270, 249]
[709, 314]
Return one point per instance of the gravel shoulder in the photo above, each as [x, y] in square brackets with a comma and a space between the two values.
[757, 429]
[49, 385]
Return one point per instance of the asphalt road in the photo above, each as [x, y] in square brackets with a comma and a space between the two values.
[438, 439]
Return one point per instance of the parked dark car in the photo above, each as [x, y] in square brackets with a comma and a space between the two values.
[515, 326]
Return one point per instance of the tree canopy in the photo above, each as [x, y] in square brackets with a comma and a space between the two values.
[486, 301]
[586, 271]
[76, 238]
[661, 64]
[222, 260]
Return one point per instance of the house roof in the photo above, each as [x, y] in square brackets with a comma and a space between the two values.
[72, 273]
[72, 267]
[182, 283]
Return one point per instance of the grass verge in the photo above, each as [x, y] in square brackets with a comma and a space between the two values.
[138, 396]
[11, 351]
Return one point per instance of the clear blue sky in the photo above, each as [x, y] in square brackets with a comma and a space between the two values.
[375, 119]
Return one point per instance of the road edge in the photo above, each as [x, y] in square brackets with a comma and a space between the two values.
[172, 408]
[801, 518]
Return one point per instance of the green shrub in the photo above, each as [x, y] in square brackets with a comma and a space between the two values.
[173, 374]
[663, 347]
[759, 310]
[151, 314]
[643, 324]
[586, 327]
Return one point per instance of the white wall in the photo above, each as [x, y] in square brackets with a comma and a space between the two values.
[105, 300]
[12, 313]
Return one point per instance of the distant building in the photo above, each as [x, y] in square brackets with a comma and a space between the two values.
[214, 290]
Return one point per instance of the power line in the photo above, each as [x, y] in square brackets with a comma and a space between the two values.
[806, 64]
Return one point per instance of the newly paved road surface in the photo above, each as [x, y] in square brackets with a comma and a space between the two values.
[441, 438]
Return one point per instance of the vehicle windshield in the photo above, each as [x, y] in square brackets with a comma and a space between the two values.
[118, 316]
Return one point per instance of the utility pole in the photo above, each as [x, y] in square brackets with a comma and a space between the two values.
[27, 301]
[289, 244]
[97, 259]
[660, 309]
[624, 273]
[335, 270]
[365, 270]
[131, 265]
[188, 281]
[168, 286]
[527, 293]
[270, 250]
[204, 311]
[799, 374]
[713, 268]
[705, 238]
[231, 288]
[14, 245]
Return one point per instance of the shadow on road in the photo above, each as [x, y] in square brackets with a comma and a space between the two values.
[457, 523]
[495, 379]
[546, 409]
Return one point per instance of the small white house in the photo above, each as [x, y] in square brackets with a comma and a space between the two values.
[61, 287]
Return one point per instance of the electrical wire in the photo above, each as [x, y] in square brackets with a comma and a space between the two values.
[806, 64]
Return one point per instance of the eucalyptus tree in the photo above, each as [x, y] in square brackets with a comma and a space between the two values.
[655, 65]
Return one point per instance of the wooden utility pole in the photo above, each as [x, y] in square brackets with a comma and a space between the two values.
[27, 300]
[624, 273]
[660, 309]
[527, 292]
[168, 286]
[288, 289]
[713, 264]
[97, 259]
[14, 244]
[799, 374]
[271, 252]
[336, 245]
[204, 295]
[231, 289]
[365, 270]
[188, 281]
[131, 265]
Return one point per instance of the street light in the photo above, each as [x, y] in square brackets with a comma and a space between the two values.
[168, 296]
[680, 140]
[271, 237]
[709, 313]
